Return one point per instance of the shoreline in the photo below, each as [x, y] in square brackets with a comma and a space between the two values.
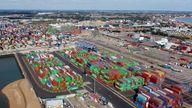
[179, 19]
[6, 56]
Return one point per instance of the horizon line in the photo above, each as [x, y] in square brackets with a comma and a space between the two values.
[96, 10]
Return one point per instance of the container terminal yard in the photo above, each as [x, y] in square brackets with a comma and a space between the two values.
[108, 60]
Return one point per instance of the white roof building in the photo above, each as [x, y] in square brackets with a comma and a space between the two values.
[54, 103]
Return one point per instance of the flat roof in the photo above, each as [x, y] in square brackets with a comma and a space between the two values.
[55, 103]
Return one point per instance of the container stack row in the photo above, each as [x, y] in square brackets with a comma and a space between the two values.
[53, 73]
[154, 96]
[154, 76]
[15, 35]
[129, 83]
[113, 69]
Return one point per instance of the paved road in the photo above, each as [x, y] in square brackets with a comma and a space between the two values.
[6, 52]
[117, 100]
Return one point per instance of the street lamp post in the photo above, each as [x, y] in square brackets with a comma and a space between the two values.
[94, 86]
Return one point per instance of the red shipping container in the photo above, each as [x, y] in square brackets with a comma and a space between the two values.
[63, 84]
[35, 69]
[61, 71]
[146, 76]
[88, 71]
[54, 83]
[154, 79]
[45, 70]
[120, 64]
[99, 78]
[114, 75]
[41, 75]
[173, 89]
[155, 102]
[94, 61]
[177, 88]
[62, 74]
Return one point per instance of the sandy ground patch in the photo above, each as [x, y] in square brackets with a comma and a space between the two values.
[21, 95]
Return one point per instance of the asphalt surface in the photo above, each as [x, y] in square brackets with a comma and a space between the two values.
[117, 100]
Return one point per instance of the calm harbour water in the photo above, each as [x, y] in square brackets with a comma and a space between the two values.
[186, 19]
[9, 72]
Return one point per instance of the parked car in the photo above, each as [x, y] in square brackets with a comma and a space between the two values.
[176, 70]
[103, 100]
[189, 65]
[166, 66]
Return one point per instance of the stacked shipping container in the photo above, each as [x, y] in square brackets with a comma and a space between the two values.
[155, 76]
[53, 73]
[112, 69]
[130, 83]
[153, 96]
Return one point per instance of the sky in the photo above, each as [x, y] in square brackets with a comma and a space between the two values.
[171, 5]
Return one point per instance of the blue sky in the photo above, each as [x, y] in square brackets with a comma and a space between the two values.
[174, 5]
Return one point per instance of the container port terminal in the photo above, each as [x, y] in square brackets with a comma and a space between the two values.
[97, 63]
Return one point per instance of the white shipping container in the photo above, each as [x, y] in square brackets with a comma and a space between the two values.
[168, 90]
[67, 67]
